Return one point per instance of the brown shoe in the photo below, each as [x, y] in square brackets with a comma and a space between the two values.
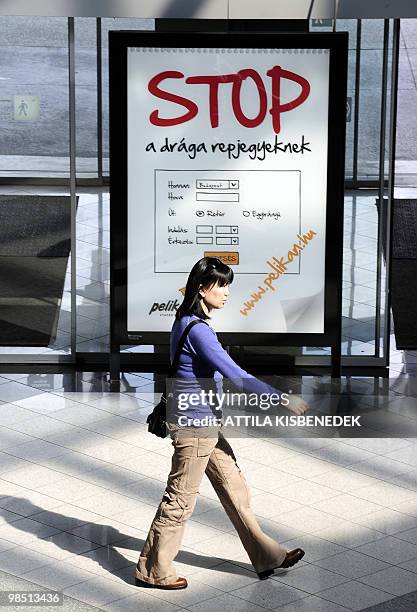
[291, 558]
[180, 583]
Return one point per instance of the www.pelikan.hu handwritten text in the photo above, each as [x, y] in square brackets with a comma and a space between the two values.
[279, 267]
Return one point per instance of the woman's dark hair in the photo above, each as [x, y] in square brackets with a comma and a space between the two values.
[206, 272]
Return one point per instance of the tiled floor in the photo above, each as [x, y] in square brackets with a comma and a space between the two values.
[80, 479]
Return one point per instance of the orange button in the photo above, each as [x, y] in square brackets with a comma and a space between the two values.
[230, 258]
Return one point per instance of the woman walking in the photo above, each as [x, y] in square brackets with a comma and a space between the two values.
[204, 449]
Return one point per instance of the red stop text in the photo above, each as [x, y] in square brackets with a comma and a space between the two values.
[268, 91]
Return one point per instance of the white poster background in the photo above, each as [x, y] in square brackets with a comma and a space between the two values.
[295, 188]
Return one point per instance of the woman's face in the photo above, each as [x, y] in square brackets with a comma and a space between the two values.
[214, 296]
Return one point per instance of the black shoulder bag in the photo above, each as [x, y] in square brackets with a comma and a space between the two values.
[157, 419]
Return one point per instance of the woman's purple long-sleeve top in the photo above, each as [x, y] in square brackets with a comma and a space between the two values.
[203, 357]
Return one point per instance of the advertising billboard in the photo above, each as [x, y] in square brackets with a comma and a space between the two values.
[228, 152]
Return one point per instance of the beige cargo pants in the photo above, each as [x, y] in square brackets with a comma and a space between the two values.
[196, 452]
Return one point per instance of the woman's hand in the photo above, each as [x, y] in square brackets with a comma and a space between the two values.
[297, 404]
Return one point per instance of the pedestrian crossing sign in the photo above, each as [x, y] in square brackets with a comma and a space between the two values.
[26, 108]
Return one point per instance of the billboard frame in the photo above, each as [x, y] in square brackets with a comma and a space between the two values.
[337, 44]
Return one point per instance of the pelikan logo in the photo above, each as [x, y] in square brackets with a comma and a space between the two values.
[170, 306]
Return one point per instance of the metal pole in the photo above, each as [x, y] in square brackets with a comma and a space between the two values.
[352, 267]
[99, 100]
[357, 94]
[381, 187]
[73, 187]
[336, 349]
[391, 185]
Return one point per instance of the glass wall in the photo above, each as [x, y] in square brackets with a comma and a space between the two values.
[35, 226]
[34, 96]
[86, 102]
[93, 271]
[372, 42]
[350, 26]
[406, 154]
[34, 123]
[35, 127]
[93, 224]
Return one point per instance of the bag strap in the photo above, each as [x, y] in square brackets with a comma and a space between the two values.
[180, 346]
